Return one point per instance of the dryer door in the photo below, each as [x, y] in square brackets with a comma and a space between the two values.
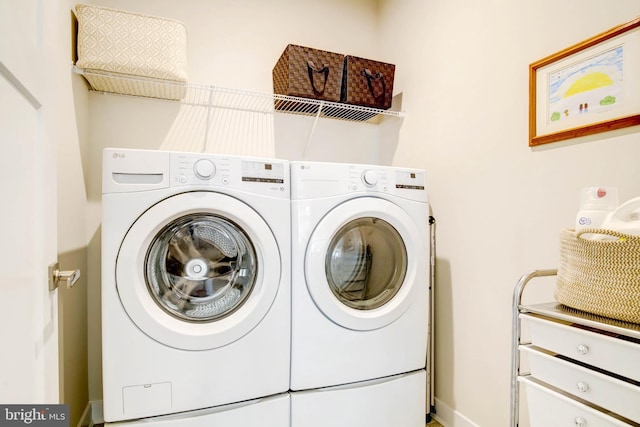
[362, 261]
[198, 270]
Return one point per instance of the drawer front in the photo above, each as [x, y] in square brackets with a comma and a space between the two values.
[608, 392]
[611, 354]
[549, 408]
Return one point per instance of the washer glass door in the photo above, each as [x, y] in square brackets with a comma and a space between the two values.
[200, 267]
[198, 270]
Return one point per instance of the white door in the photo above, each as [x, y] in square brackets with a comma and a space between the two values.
[29, 317]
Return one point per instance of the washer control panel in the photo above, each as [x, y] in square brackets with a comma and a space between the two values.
[250, 174]
[265, 172]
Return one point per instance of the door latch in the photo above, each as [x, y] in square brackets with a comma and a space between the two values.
[56, 277]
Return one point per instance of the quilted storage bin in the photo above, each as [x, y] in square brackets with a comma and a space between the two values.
[367, 83]
[131, 53]
[308, 73]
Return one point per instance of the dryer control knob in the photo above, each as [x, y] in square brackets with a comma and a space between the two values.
[370, 177]
[204, 169]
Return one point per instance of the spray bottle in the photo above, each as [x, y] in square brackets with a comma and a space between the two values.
[596, 203]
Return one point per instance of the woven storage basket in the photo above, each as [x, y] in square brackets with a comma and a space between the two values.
[367, 83]
[308, 73]
[600, 276]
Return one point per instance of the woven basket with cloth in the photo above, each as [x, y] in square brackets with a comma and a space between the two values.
[600, 276]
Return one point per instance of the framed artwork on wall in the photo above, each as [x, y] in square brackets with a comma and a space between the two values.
[587, 88]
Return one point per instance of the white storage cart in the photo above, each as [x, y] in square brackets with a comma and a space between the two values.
[584, 370]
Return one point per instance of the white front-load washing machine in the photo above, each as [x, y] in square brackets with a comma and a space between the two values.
[360, 273]
[195, 281]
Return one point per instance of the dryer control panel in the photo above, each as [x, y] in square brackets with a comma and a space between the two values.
[385, 179]
[320, 179]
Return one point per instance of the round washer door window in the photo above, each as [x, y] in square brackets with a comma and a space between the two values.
[198, 270]
[361, 263]
[201, 268]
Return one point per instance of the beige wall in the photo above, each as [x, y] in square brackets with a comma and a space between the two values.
[462, 69]
[499, 204]
[72, 108]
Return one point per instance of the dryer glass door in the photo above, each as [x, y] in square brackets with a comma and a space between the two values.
[366, 263]
[200, 267]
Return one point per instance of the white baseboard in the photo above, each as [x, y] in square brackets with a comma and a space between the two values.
[448, 417]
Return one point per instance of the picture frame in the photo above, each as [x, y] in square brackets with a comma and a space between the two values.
[588, 88]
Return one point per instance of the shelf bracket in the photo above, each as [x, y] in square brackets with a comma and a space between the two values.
[313, 129]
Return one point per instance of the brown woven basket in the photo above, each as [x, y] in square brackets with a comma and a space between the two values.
[367, 83]
[308, 73]
[600, 276]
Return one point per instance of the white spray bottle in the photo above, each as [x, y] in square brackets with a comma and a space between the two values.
[596, 203]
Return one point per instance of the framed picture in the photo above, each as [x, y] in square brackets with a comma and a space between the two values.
[588, 88]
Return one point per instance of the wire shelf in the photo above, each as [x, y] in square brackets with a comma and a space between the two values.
[210, 96]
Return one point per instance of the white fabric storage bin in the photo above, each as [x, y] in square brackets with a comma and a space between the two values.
[131, 53]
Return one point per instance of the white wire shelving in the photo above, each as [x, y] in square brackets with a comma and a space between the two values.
[210, 96]
[217, 119]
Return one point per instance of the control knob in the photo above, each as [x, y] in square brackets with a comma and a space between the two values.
[370, 177]
[204, 169]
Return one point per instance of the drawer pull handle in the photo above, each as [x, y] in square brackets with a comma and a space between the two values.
[580, 422]
[582, 349]
[583, 387]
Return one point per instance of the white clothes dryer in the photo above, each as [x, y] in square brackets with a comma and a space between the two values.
[195, 281]
[272, 411]
[360, 273]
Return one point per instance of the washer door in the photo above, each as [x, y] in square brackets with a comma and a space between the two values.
[198, 270]
[360, 264]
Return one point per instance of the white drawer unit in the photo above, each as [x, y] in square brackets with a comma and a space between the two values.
[582, 370]
[550, 408]
[583, 382]
[617, 354]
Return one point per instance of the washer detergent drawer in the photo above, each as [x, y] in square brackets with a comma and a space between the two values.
[610, 393]
[550, 408]
[596, 349]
